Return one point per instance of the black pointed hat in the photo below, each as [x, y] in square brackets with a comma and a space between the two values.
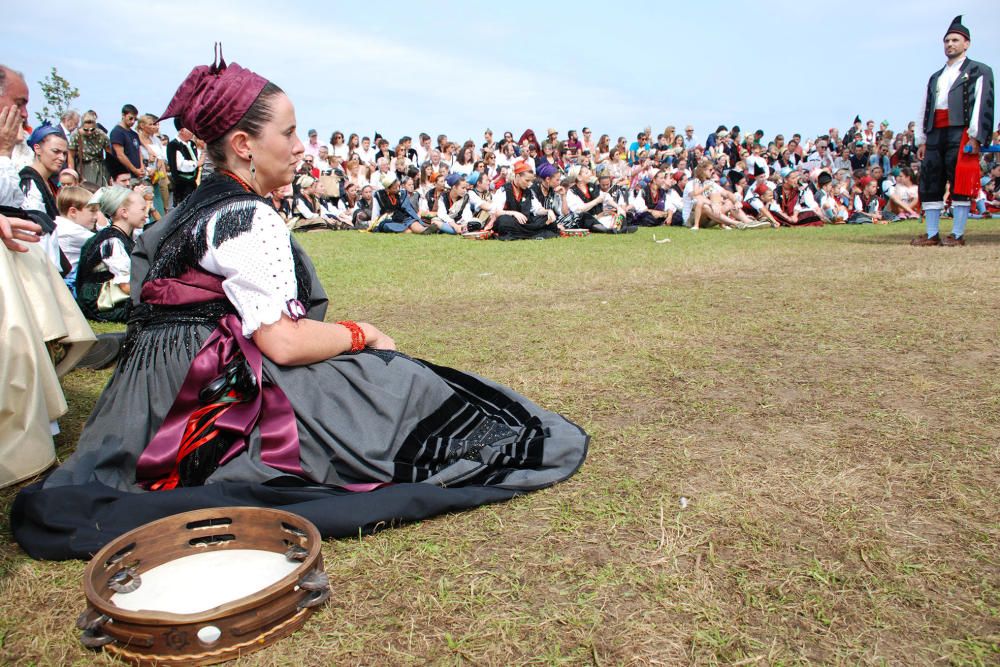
[957, 27]
[857, 119]
[758, 170]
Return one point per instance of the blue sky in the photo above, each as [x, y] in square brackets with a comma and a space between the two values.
[403, 68]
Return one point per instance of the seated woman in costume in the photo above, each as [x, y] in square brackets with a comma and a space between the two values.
[49, 148]
[349, 211]
[454, 209]
[427, 204]
[481, 201]
[228, 334]
[652, 206]
[105, 270]
[548, 198]
[592, 208]
[392, 211]
[308, 211]
[793, 213]
[515, 207]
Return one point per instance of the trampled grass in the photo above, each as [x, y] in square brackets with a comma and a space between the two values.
[794, 459]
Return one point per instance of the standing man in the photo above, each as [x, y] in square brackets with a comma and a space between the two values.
[958, 111]
[183, 162]
[125, 155]
[68, 122]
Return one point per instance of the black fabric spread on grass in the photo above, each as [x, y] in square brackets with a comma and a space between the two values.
[67, 522]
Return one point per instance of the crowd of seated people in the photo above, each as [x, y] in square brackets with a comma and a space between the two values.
[502, 187]
[525, 188]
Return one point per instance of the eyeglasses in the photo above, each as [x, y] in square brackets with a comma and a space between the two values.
[88, 129]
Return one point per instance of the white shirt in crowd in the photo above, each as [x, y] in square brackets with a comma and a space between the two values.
[71, 239]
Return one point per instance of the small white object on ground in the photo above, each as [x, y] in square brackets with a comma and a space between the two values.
[655, 240]
[684, 502]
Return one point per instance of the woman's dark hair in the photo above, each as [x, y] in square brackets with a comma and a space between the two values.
[257, 116]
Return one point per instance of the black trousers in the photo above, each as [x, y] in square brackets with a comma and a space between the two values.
[182, 188]
[938, 166]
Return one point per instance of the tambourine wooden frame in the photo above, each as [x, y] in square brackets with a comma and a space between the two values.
[246, 624]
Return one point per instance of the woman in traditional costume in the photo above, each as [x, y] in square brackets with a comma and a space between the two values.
[392, 211]
[513, 203]
[233, 390]
[49, 147]
[587, 203]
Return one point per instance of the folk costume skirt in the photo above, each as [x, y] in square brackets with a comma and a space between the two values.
[430, 438]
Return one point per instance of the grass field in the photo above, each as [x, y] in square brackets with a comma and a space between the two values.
[794, 459]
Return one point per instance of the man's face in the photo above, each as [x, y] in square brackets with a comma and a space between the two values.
[955, 45]
[312, 139]
[122, 179]
[689, 131]
[128, 120]
[15, 94]
[871, 125]
[877, 173]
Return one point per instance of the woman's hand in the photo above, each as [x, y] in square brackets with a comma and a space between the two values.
[375, 339]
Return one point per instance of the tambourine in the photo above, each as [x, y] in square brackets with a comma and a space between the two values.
[574, 232]
[203, 587]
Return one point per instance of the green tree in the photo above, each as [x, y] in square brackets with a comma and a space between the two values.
[59, 96]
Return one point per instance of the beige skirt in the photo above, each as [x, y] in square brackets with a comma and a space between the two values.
[43, 335]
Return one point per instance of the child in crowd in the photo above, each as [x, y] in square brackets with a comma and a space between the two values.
[105, 266]
[76, 224]
[762, 203]
[865, 207]
[834, 212]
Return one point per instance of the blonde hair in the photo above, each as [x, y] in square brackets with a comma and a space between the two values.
[89, 117]
[72, 196]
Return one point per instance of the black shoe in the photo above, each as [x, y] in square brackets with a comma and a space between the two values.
[104, 352]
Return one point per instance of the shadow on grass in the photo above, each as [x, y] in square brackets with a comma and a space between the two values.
[991, 237]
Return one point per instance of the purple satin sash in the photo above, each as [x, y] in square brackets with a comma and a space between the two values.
[269, 410]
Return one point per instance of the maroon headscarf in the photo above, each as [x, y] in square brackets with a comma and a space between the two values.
[213, 99]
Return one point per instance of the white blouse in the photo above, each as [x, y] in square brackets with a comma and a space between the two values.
[257, 269]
